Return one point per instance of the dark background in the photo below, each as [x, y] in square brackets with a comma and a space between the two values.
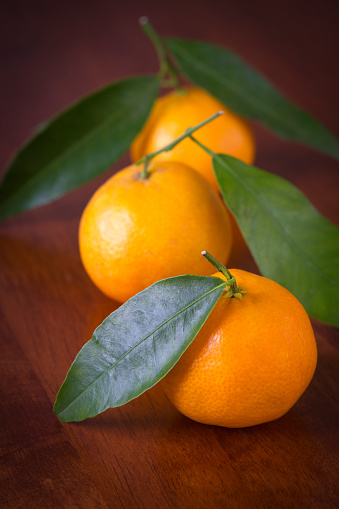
[146, 454]
[53, 53]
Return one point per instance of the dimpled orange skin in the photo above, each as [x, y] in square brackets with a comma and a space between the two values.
[175, 112]
[250, 362]
[135, 232]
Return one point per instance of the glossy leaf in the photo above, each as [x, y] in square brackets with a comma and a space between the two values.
[136, 345]
[245, 91]
[290, 241]
[78, 145]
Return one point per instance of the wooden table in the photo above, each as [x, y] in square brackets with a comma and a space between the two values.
[146, 454]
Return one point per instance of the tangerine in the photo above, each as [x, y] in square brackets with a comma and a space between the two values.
[132, 229]
[173, 113]
[250, 362]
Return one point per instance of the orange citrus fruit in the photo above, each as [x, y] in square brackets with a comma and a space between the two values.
[173, 113]
[134, 232]
[250, 362]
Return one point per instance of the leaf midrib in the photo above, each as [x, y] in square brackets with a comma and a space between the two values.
[224, 81]
[293, 245]
[75, 146]
[139, 343]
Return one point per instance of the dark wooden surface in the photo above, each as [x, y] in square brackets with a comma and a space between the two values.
[146, 454]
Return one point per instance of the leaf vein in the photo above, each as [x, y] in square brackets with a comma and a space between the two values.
[163, 324]
[289, 240]
[242, 94]
[118, 114]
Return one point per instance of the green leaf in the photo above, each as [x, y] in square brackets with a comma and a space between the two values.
[290, 241]
[136, 345]
[78, 145]
[245, 91]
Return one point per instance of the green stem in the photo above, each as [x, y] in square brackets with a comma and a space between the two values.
[209, 151]
[188, 133]
[166, 66]
[221, 268]
[144, 172]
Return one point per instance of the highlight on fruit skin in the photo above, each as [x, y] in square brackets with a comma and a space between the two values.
[183, 108]
[132, 229]
[251, 361]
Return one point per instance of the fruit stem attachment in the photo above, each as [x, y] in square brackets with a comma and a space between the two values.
[187, 134]
[166, 66]
[234, 290]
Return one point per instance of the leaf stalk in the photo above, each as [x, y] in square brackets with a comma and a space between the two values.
[187, 134]
[208, 150]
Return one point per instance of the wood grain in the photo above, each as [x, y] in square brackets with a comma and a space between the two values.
[146, 454]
